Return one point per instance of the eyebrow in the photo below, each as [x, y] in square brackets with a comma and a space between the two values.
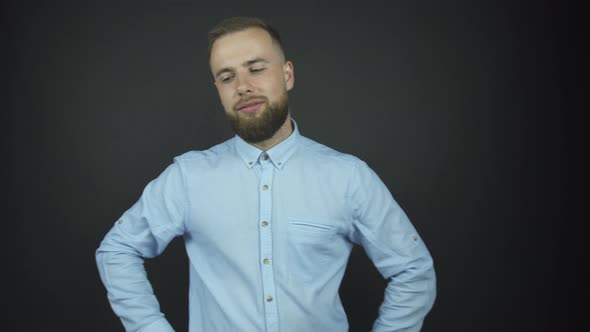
[245, 64]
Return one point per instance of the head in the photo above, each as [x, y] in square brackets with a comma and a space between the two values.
[251, 75]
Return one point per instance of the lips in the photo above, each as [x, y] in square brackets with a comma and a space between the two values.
[249, 106]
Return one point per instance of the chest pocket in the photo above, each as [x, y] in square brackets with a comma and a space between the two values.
[310, 248]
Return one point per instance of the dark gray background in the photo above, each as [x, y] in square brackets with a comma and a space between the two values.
[461, 107]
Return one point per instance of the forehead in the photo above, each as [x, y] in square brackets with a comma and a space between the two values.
[233, 49]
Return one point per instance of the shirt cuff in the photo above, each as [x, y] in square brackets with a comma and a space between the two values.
[160, 325]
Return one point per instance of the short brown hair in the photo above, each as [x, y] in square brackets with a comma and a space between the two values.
[239, 23]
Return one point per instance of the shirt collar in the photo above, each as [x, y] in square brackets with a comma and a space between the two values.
[278, 154]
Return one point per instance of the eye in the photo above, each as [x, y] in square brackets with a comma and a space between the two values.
[257, 69]
[226, 78]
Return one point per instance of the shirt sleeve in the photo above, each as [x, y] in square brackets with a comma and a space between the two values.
[397, 251]
[142, 232]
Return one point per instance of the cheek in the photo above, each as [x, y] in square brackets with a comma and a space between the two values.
[226, 97]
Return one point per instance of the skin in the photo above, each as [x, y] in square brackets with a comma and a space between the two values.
[248, 64]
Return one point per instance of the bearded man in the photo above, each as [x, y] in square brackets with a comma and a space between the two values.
[268, 217]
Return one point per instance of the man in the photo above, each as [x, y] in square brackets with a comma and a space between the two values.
[269, 217]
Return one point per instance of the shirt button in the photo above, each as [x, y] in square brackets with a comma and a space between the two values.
[264, 223]
[265, 187]
[269, 298]
[120, 221]
[266, 261]
[264, 156]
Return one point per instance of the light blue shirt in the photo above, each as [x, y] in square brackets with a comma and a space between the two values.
[268, 236]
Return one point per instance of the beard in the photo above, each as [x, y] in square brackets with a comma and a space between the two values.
[263, 125]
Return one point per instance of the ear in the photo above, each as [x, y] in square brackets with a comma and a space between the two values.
[289, 74]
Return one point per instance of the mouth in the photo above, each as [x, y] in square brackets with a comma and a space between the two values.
[249, 106]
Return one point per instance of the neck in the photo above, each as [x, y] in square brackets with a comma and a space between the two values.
[281, 135]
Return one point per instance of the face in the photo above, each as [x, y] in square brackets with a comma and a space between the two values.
[252, 79]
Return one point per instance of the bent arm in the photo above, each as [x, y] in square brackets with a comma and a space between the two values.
[408, 297]
[397, 251]
[142, 232]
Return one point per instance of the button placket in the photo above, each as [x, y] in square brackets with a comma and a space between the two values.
[265, 229]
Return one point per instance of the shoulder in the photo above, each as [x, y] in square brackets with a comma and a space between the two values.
[324, 154]
[196, 157]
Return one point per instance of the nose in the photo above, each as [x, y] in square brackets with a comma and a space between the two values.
[243, 86]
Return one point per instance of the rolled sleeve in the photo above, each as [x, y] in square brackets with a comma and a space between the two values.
[141, 232]
[160, 325]
[396, 249]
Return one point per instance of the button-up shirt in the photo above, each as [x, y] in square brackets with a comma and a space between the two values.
[268, 235]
